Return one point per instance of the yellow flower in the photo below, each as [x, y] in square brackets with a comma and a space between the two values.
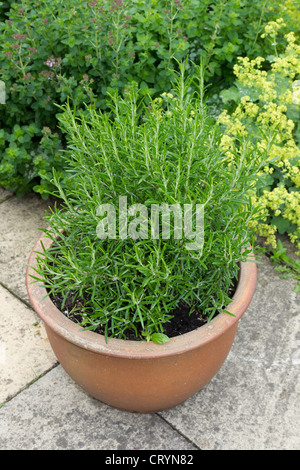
[268, 116]
[296, 92]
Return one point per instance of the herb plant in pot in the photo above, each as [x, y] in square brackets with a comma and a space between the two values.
[146, 268]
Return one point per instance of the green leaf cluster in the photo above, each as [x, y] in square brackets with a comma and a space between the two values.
[287, 267]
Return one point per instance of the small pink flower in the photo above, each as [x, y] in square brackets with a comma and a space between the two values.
[47, 74]
[27, 76]
[45, 20]
[19, 36]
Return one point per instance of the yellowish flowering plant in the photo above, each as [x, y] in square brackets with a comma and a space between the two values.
[264, 106]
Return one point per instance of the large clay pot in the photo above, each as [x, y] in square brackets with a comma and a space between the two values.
[141, 376]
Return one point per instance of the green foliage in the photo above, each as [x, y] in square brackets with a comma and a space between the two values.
[51, 51]
[4, 8]
[158, 338]
[285, 265]
[20, 166]
[168, 152]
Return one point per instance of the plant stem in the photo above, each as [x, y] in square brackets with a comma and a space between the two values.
[260, 21]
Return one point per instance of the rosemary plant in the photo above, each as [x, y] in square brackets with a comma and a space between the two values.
[168, 153]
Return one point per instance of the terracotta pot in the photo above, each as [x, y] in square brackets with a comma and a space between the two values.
[135, 375]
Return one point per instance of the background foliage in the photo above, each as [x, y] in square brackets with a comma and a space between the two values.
[54, 50]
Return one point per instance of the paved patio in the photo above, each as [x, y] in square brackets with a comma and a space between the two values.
[253, 403]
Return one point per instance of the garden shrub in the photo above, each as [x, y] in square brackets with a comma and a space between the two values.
[163, 154]
[4, 8]
[52, 51]
[264, 106]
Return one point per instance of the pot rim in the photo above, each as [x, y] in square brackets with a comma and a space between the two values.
[54, 319]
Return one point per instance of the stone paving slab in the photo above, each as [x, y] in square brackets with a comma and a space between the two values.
[4, 194]
[25, 351]
[20, 219]
[254, 401]
[55, 414]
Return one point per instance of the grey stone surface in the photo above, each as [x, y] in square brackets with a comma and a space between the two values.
[55, 414]
[4, 194]
[25, 351]
[21, 219]
[254, 401]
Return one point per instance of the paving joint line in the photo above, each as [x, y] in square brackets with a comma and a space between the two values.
[179, 432]
[27, 304]
[7, 198]
[26, 386]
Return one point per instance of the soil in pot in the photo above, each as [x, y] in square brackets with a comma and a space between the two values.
[182, 322]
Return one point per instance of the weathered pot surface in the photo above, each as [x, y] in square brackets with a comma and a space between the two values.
[141, 376]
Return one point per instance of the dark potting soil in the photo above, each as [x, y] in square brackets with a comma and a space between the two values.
[182, 322]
